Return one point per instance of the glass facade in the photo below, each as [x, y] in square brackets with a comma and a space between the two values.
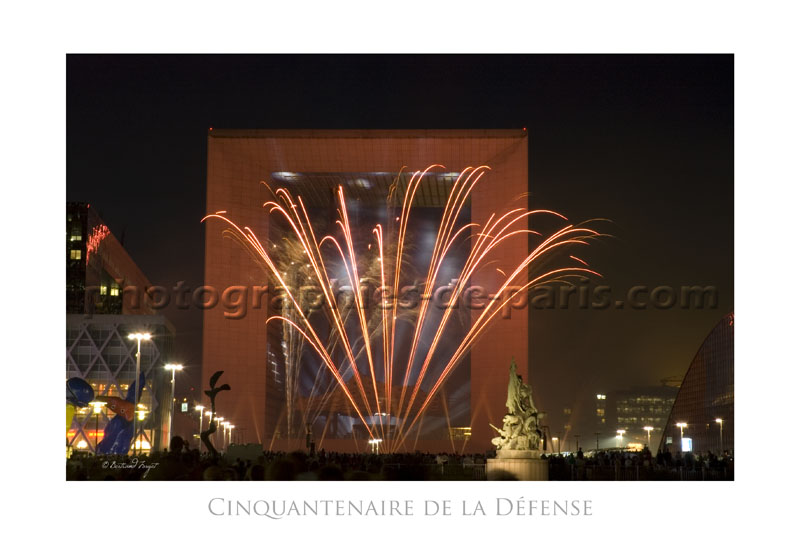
[643, 407]
[704, 405]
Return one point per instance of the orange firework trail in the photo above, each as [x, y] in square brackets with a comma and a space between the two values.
[366, 399]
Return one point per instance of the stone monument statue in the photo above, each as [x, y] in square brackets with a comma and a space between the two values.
[521, 424]
[520, 441]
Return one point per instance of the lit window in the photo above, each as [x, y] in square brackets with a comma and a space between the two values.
[75, 237]
[114, 291]
[103, 290]
[74, 254]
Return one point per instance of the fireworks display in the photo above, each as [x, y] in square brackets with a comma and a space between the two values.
[376, 368]
[99, 233]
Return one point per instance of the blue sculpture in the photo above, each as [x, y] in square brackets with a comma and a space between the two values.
[79, 392]
[119, 431]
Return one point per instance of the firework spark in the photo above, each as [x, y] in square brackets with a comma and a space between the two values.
[360, 343]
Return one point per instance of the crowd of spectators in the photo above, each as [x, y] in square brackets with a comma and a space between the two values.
[641, 465]
[184, 463]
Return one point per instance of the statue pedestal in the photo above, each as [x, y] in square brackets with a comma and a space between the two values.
[517, 465]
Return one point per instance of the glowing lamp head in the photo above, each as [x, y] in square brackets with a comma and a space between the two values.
[681, 425]
[139, 336]
[199, 408]
[173, 367]
[718, 420]
[97, 406]
[648, 428]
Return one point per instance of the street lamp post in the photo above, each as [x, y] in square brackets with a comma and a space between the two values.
[97, 408]
[138, 336]
[719, 420]
[210, 418]
[219, 421]
[226, 436]
[141, 413]
[648, 429]
[200, 409]
[619, 437]
[172, 367]
[556, 444]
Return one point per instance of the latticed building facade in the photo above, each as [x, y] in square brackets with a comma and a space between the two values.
[705, 401]
[99, 351]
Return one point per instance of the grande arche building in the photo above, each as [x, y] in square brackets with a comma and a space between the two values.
[311, 162]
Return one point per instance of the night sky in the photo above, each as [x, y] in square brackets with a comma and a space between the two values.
[646, 141]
